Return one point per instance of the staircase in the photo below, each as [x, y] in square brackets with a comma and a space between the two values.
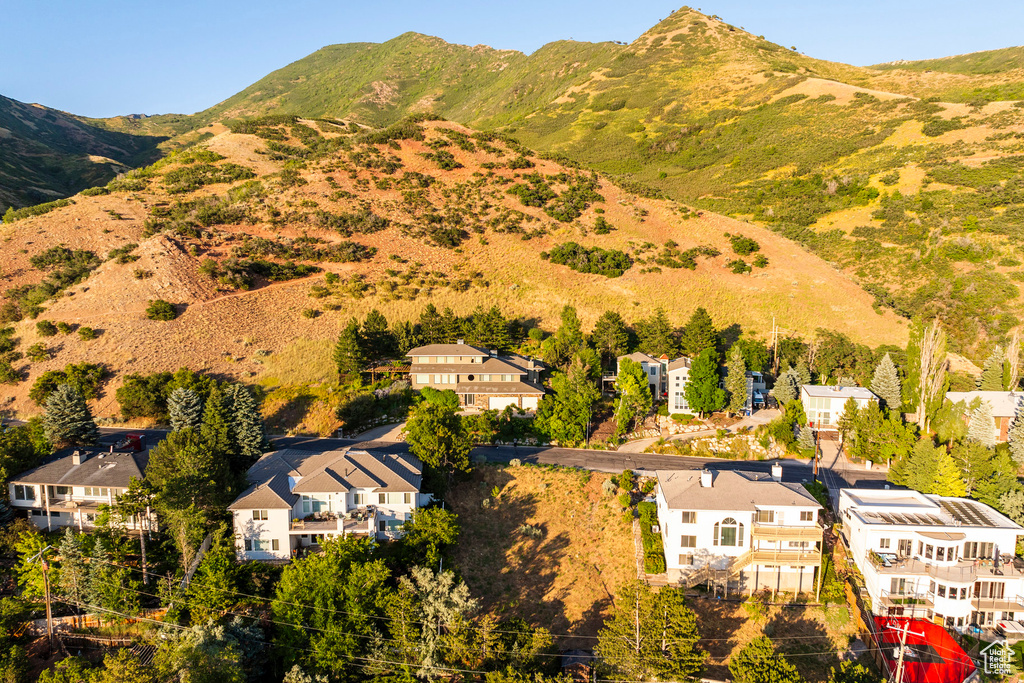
[707, 573]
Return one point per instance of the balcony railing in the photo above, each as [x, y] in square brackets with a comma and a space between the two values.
[778, 532]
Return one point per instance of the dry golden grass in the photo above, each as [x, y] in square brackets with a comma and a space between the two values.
[564, 580]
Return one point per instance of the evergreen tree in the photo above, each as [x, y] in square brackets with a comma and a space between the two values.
[975, 463]
[437, 436]
[982, 428]
[698, 334]
[786, 388]
[185, 409]
[991, 378]
[490, 329]
[406, 337]
[634, 395]
[1011, 504]
[1000, 478]
[216, 429]
[109, 586]
[803, 373]
[758, 662]
[886, 384]
[1016, 437]
[806, 438]
[246, 424]
[378, 343]
[184, 472]
[702, 391]
[947, 481]
[349, 356]
[431, 328]
[736, 380]
[452, 328]
[73, 578]
[610, 337]
[559, 348]
[68, 420]
[210, 591]
[656, 336]
[564, 416]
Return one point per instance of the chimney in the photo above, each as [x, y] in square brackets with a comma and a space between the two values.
[705, 479]
[494, 353]
[111, 448]
[78, 457]
[460, 341]
[776, 472]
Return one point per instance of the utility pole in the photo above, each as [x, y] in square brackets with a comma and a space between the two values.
[898, 676]
[46, 590]
[775, 348]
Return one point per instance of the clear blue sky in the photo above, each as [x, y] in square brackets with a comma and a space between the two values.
[108, 57]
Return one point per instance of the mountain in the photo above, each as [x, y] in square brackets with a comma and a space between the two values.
[47, 154]
[904, 177]
[270, 237]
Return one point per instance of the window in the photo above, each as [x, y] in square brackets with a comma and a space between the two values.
[728, 533]
[60, 491]
[382, 525]
[359, 498]
[54, 513]
[248, 545]
[977, 551]
[382, 498]
[940, 554]
[689, 517]
[37, 513]
[260, 546]
[883, 543]
[989, 589]
[259, 515]
[96, 492]
[407, 498]
[686, 559]
[807, 516]
[942, 591]
[652, 371]
[764, 516]
[906, 547]
[963, 593]
[422, 379]
[311, 504]
[897, 586]
[688, 542]
[798, 544]
[275, 544]
[929, 552]
[22, 492]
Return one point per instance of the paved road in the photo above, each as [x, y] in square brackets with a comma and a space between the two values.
[601, 461]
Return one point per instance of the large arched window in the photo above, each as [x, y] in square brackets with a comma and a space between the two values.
[728, 532]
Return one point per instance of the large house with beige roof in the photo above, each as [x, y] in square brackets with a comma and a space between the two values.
[299, 497]
[70, 489]
[482, 379]
[1005, 405]
[738, 530]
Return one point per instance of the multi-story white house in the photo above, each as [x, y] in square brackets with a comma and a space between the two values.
[678, 372]
[299, 497]
[69, 490]
[824, 405]
[946, 559]
[750, 530]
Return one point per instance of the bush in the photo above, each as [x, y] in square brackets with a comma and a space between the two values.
[625, 500]
[87, 333]
[626, 480]
[86, 377]
[743, 246]
[13, 215]
[760, 261]
[602, 227]
[65, 328]
[94, 191]
[654, 548]
[37, 353]
[609, 487]
[45, 328]
[158, 309]
[595, 260]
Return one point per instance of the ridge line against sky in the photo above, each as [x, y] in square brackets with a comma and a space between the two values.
[108, 57]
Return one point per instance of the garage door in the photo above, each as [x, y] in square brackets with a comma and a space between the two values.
[499, 402]
[530, 402]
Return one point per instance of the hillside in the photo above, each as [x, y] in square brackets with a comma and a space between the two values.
[270, 238]
[47, 154]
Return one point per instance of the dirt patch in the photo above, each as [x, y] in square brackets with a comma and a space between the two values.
[565, 578]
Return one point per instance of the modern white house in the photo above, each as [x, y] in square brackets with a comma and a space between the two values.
[678, 374]
[70, 489]
[299, 497]
[1004, 407]
[824, 405]
[950, 560]
[743, 531]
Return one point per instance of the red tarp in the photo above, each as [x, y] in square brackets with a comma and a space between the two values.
[932, 656]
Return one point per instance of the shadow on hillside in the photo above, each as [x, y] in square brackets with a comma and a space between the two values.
[794, 633]
[289, 412]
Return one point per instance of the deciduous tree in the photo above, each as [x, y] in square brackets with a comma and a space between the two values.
[702, 391]
[634, 395]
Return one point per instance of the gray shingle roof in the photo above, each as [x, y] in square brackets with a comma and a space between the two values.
[729, 490]
[640, 358]
[1004, 403]
[447, 350]
[491, 365]
[336, 471]
[678, 363]
[101, 468]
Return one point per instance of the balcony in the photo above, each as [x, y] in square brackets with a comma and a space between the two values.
[962, 572]
[789, 558]
[773, 532]
[360, 522]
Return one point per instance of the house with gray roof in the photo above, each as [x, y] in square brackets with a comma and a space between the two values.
[299, 497]
[739, 531]
[69, 489]
[482, 379]
[1005, 405]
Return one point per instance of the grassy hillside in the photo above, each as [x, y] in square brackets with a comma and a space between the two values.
[268, 239]
[46, 154]
[975, 63]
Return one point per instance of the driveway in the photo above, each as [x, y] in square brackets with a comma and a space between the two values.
[389, 433]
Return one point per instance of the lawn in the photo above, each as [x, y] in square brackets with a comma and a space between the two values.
[564, 576]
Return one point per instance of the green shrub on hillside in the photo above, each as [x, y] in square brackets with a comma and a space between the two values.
[45, 328]
[192, 177]
[743, 246]
[607, 262]
[13, 214]
[158, 309]
[86, 377]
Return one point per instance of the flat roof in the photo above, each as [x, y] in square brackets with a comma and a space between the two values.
[818, 391]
